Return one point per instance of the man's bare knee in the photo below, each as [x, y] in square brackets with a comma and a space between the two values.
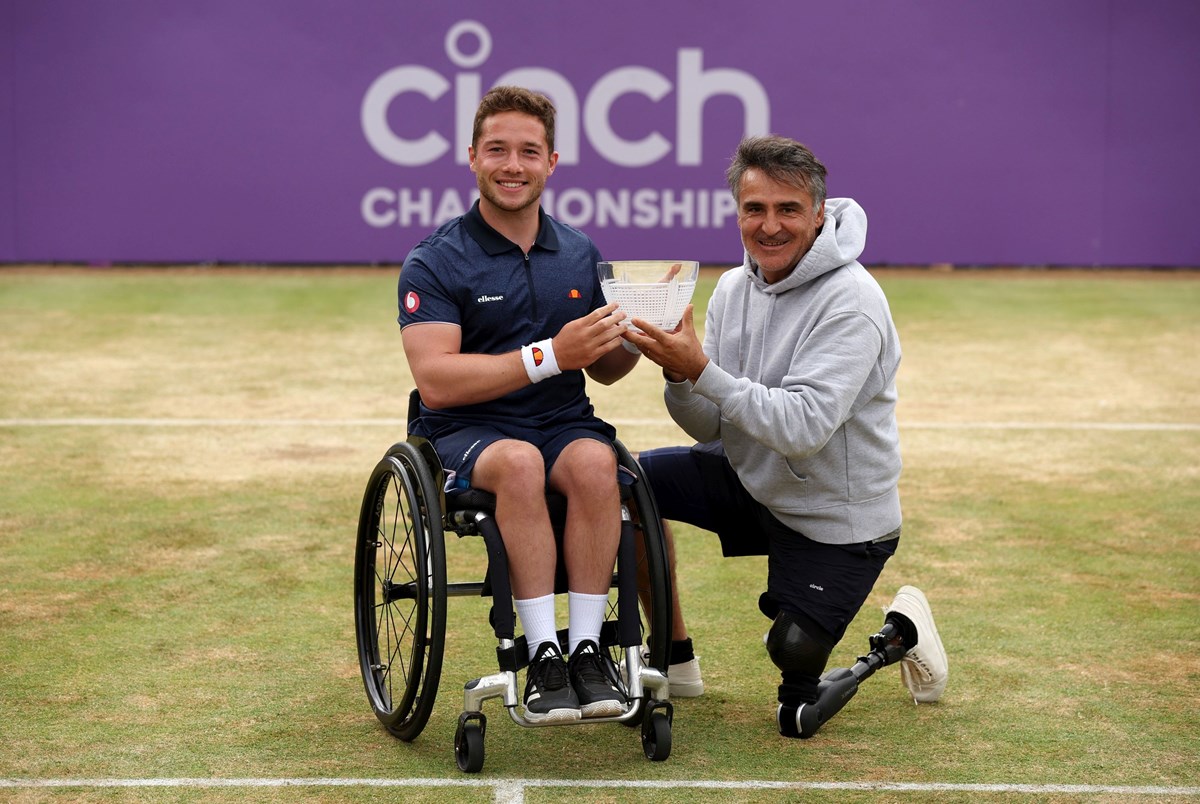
[510, 467]
[584, 465]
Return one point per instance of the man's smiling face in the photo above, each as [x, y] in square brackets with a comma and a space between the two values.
[779, 223]
[511, 161]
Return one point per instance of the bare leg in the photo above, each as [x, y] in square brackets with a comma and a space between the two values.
[679, 630]
[515, 473]
[586, 474]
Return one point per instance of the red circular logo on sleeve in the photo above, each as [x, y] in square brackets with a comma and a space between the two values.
[411, 301]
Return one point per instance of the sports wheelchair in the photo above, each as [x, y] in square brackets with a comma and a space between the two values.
[400, 592]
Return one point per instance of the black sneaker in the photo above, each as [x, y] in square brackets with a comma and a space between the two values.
[595, 681]
[548, 694]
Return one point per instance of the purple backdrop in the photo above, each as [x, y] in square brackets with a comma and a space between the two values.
[1058, 132]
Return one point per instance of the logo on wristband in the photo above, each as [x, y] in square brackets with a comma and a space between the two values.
[539, 360]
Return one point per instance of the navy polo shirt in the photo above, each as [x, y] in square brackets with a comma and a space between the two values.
[468, 274]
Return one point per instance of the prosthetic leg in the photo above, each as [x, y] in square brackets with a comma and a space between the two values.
[800, 658]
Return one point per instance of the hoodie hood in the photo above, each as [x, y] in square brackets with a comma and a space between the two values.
[841, 241]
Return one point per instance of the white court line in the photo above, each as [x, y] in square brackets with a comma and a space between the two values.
[513, 790]
[161, 422]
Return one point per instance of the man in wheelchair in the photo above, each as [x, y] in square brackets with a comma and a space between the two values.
[501, 314]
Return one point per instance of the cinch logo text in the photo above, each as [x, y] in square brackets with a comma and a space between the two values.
[693, 85]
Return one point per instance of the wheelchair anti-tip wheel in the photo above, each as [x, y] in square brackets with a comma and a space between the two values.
[400, 591]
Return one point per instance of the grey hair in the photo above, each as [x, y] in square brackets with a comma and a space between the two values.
[781, 159]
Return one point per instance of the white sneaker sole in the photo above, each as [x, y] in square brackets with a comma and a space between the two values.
[553, 716]
[602, 709]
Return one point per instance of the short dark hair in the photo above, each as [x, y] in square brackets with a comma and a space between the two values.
[514, 99]
[783, 160]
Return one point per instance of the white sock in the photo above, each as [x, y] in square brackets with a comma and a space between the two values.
[587, 614]
[537, 621]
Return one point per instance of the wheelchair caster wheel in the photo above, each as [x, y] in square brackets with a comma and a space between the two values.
[468, 742]
[656, 732]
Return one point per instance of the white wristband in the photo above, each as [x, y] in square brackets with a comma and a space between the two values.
[539, 361]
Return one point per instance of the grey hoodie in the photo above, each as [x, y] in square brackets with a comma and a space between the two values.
[801, 390]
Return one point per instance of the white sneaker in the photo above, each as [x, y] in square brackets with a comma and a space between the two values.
[684, 678]
[924, 668]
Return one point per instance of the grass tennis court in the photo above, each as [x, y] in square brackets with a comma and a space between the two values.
[183, 452]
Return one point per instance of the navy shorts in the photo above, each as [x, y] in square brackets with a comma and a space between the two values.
[827, 583]
[459, 448]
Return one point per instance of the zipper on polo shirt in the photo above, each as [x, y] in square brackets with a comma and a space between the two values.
[532, 289]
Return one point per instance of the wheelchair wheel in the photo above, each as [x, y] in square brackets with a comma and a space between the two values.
[653, 573]
[400, 591]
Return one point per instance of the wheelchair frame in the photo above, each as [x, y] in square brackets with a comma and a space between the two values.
[401, 588]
